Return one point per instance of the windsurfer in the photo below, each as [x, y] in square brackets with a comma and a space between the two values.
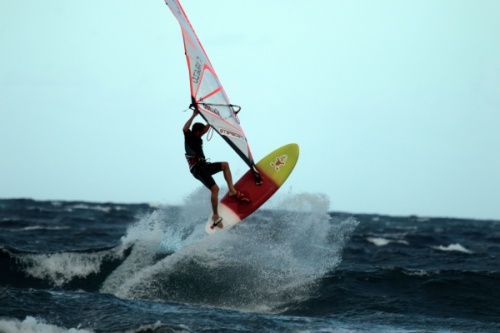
[203, 170]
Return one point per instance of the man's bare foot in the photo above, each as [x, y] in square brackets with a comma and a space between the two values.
[217, 221]
[240, 197]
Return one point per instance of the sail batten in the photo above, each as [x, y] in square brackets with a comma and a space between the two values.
[207, 93]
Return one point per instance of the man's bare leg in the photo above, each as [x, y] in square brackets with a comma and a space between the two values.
[229, 178]
[214, 199]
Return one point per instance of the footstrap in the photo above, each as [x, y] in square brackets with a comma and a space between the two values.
[216, 222]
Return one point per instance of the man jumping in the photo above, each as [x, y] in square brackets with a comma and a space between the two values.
[203, 170]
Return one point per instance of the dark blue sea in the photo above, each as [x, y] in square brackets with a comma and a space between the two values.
[293, 266]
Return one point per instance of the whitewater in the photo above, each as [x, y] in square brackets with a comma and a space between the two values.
[291, 267]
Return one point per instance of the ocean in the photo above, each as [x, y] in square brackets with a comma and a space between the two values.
[293, 266]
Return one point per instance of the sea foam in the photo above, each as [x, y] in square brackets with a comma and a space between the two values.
[274, 257]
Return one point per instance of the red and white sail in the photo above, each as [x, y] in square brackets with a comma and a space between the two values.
[207, 94]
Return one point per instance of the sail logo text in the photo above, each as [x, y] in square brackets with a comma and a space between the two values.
[232, 134]
[280, 161]
[211, 109]
[197, 70]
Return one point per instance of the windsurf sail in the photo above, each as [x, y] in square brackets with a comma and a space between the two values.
[208, 95]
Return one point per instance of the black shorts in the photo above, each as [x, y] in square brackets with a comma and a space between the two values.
[204, 171]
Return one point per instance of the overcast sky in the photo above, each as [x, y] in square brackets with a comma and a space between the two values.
[395, 104]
